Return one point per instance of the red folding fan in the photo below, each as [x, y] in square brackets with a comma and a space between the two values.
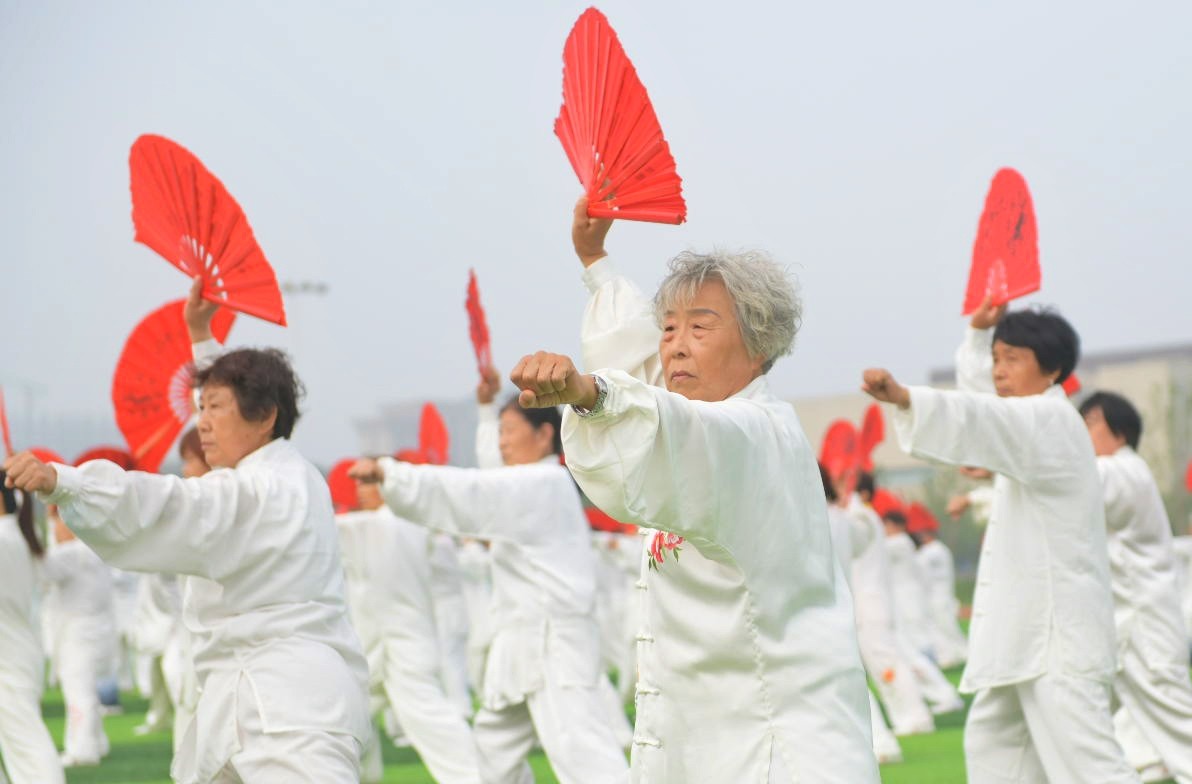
[46, 455]
[182, 211]
[1188, 477]
[873, 432]
[154, 380]
[478, 327]
[342, 486]
[433, 440]
[610, 132]
[919, 518]
[4, 432]
[840, 453]
[884, 501]
[1071, 385]
[599, 521]
[1006, 253]
[115, 454]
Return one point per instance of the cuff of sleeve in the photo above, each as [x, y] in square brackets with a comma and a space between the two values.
[905, 419]
[205, 352]
[70, 482]
[980, 341]
[598, 273]
[486, 413]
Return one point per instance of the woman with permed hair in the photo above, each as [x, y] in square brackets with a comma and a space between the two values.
[280, 669]
[748, 661]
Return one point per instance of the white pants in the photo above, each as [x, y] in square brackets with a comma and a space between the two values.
[80, 658]
[307, 757]
[895, 681]
[935, 687]
[885, 745]
[25, 743]
[572, 727]
[1055, 729]
[1159, 701]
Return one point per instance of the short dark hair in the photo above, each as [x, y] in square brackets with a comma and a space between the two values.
[537, 417]
[829, 490]
[262, 381]
[866, 484]
[1120, 415]
[896, 517]
[1045, 332]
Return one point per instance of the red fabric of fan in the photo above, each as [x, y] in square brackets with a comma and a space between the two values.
[599, 521]
[1071, 385]
[478, 327]
[154, 380]
[185, 214]
[1006, 253]
[610, 132]
[839, 451]
[47, 455]
[919, 518]
[342, 486]
[1188, 477]
[4, 431]
[873, 432]
[115, 454]
[884, 501]
[433, 440]
[411, 456]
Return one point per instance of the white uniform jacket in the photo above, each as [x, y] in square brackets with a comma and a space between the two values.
[21, 664]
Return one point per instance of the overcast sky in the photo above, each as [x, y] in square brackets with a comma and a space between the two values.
[385, 148]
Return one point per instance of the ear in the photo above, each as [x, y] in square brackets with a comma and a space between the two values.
[269, 421]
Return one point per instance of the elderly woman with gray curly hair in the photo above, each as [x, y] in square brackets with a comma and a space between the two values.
[749, 667]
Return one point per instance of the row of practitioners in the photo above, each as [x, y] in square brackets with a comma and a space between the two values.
[748, 661]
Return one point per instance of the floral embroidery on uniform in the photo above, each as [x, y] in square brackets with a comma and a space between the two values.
[662, 542]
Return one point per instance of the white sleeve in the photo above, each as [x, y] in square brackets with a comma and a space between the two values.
[861, 533]
[981, 503]
[618, 331]
[205, 352]
[974, 361]
[488, 435]
[1115, 485]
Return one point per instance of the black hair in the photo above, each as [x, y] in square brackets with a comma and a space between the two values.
[537, 417]
[896, 517]
[829, 490]
[866, 484]
[1120, 415]
[262, 381]
[24, 516]
[1045, 332]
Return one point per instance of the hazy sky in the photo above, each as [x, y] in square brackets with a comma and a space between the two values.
[385, 148]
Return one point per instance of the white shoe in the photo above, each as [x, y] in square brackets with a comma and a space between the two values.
[889, 757]
[69, 761]
[948, 707]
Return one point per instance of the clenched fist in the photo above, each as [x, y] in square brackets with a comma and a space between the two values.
[551, 380]
[880, 385]
[30, 475]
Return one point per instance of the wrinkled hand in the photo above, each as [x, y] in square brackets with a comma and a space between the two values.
[957, 505]
[489, 386]
[552, 380]
[987, 314]
[587, 234]
[367, 470]
[30, 475]
[879, 384]
[198, 313]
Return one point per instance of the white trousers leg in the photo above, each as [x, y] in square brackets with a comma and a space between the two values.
[309, 757]
[1159, 700]
[617, 720]
[575, 734]
[432, 723]
[25, 743]
[504, 739]
[85, 739]
[1055, 729]
[895, 682]
[940, 694]
[885, 745]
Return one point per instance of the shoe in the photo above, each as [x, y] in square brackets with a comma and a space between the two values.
[947, 707]
[69, 761]
[889, 758]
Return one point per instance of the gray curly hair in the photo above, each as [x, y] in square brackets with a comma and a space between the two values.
[768, 307]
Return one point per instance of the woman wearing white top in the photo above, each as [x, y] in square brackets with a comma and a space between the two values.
[1042, 643]
[25, 743]
[282, 676]
[543, 673]
[749, 669]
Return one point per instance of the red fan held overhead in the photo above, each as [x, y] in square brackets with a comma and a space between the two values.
[478, 327]
[433, 440]
[343, 487]
[873, 432]
[183, 212]
[884, 501]
[1006, 252]
[840, 452]
[154, 381]
[113, 453]
[610, 132]
[919, 519]
[1071, 385]
[47, 455]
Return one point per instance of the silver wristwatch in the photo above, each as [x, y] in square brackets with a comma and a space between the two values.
[601, 394]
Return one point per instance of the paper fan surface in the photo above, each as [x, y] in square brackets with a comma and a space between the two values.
[919, 518]
[5, 433]
[478, 327]
[1006, 252]
[46, 455]
[840, 451]
[1071, 385]
[610, 133]
[884, 501]
[411, 456]
[342, 486]
[433, 441]
[873, 432]
[115, 454]
[154, 380]
[185, 214]
[599, 521]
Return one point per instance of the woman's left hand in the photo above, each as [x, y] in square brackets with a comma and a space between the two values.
[30, 475]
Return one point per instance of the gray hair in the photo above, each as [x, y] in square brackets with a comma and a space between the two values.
[767, 302]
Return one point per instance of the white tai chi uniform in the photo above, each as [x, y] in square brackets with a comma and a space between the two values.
[748, 661]
[451, 618]
[1182, 547]
[386, 561]
[543, 668]
[158, 614]
[25, 743]
[1042, 642]
[939, 573]
[281, 673]
[85, 642]
[476, 569]
[1152, 683]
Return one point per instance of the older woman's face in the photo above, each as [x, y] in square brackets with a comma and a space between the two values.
[520, 442]
[227, 437]
[703, 354]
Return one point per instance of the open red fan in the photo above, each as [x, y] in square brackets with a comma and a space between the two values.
[1071, 385]
[478, 327]
[342, 486]
[154, 380]
[873, 432]
[433, 440]
[919, 518]
[599, 521]
[184, 213]
[840, 453]
[610, 132]
[47, 455]
[4, 431]
[1188, 477]
[884, 501]
[1006, 253]
[115, 454]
